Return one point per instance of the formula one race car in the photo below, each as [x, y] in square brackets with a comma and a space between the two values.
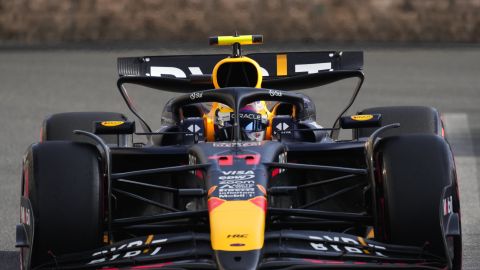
[240, 176]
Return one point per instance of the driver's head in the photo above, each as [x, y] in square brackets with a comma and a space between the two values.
[252, 123]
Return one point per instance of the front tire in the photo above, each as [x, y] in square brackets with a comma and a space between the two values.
[417, 177]
[65, 190]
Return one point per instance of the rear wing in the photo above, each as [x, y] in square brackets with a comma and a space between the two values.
[283, 71]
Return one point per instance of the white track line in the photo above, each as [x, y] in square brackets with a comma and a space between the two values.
[458, 134]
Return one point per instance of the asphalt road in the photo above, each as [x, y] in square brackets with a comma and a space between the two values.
[34, 84]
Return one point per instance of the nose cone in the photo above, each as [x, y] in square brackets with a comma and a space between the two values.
[237, 232]
[237, 260]
[237, 225]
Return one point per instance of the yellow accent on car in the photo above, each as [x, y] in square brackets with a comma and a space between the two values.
[362, 117]
[237, 226]
[105, 238]
[147, 242]
[371, 234]
[112, 123]
[211, 190]
[209, 117]
[208, 121]
[242, 59]
[362, 241]
[242, 40]
[281, 65]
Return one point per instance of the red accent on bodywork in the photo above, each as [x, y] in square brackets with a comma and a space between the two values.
[260, 202]
[262, 189]
[227, 160]
[211, 190]
[213, 203]
[199, 174]
[275, 172]
[324, 261]
[250, 159]
[151, 266]
[25, 183]
[223, 160]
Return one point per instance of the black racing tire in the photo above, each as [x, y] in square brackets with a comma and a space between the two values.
[412, 119]
[416, 169]
[65, 191]
[61, 126]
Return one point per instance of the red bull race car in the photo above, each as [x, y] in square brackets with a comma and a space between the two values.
[239, 175]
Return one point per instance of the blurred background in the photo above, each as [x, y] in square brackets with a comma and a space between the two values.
[59, 56]
[51, 22]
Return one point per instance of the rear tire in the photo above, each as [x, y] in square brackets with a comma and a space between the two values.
[412, 119]
[65, 191]
[416, 169]
[61, 126]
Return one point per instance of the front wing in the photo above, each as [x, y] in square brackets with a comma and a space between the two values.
[284, 249]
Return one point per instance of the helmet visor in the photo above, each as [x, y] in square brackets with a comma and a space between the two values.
[250, 121]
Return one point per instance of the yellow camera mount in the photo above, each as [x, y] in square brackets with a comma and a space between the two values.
[236, 41]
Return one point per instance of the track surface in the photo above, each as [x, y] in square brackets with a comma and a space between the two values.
[34, 84]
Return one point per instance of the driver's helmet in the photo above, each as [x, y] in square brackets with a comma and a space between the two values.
[253, 122]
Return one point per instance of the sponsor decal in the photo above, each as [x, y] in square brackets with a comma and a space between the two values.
[194, 128]
[237, 189]
[144, 249]
[343, 244]
[361, 117]
[251, 116]
[313, 67]
[222, 117]
[282, 126]
[237, 236]
[112, 123]
[196, 95]
[282, 158]
[275, 93]
[118, 254]
[237, 175]
[236, 184]
[447, 205]
[236, 144]
[165, 71]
